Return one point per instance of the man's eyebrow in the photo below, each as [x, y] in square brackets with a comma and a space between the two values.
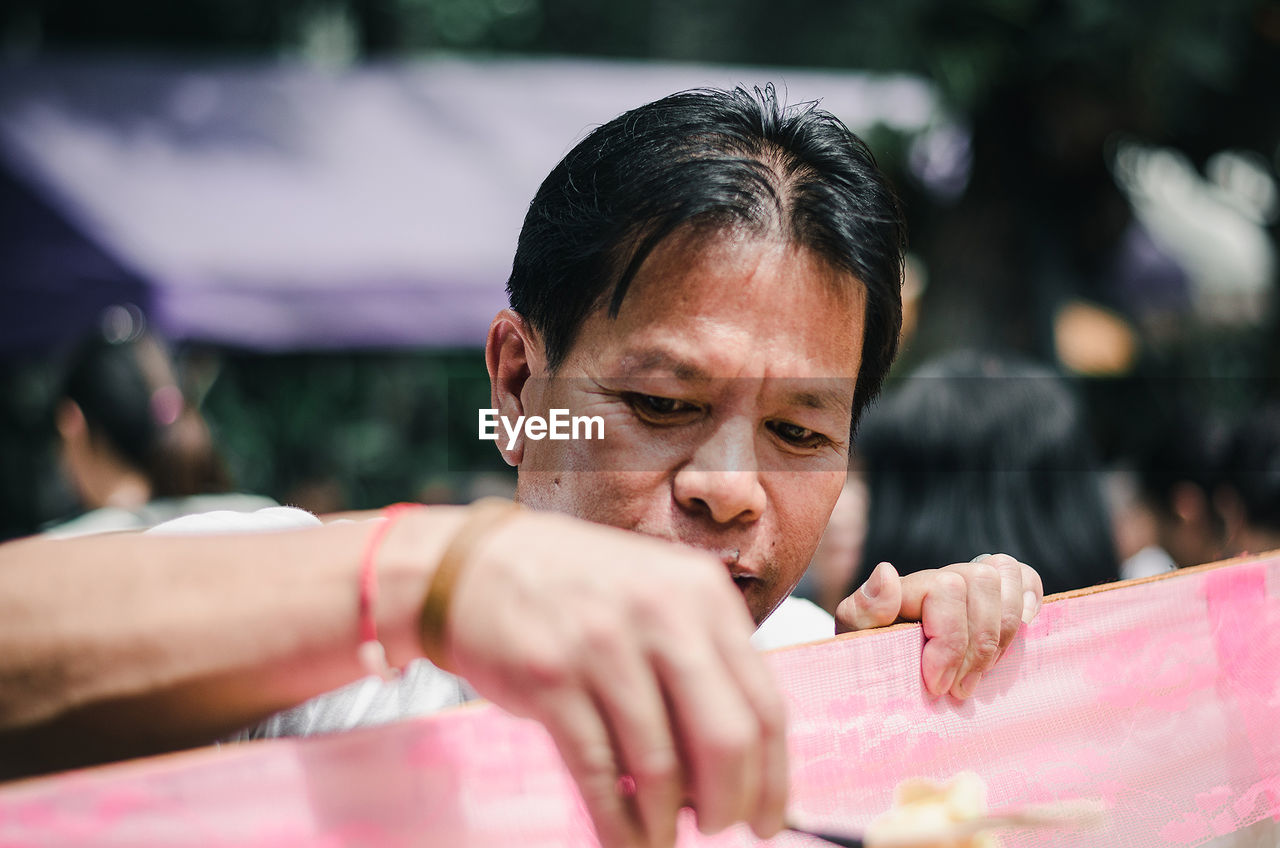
[810, 393]
[822, 394]
[657, 359]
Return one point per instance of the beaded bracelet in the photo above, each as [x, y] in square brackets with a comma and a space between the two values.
[484, 516]
[371, 652]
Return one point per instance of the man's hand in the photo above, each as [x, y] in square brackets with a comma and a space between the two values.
[970, 613]
[634, 654]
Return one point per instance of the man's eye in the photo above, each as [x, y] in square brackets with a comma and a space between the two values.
[801, 437]
[656, 409]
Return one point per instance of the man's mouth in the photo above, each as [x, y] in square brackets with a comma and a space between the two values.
[742, 578]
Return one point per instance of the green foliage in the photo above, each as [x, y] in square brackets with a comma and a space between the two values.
[31, 491]
[967, 46]
[372, 427]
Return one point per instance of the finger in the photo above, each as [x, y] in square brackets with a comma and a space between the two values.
[1032, 593]
[876, 603]
[636, 714]
[982, 599]
[764, 697]
[939, 602]
[718, 732]
[580, 734]
[1012, 600]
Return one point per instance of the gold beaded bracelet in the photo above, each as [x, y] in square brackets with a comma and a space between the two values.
[483, 517]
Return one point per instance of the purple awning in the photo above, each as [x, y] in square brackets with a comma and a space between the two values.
[279, 206]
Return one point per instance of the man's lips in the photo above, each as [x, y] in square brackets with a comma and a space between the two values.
[743, 577]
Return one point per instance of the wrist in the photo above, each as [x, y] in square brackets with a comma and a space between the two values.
[483, 519]
[406, 563]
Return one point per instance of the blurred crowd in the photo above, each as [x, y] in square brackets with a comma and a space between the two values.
[969, 450]
[983, 451]
[1091, 352]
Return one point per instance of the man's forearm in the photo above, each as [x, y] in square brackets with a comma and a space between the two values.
[128, 644]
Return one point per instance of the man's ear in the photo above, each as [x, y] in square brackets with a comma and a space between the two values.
[69, 420]
[513, 353]
[1188, 503]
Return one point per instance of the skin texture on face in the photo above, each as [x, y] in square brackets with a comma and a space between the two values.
[726, 387]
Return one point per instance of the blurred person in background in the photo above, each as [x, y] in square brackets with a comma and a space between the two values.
[977, 451]
[1178, 472]
[1248, 496]
[135, 452]
[834, 562]
[832, 568]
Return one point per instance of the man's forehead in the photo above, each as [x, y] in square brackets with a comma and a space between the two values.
[706, 307]
[714, 248]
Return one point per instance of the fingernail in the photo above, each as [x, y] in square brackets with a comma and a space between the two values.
[1030, 606]
[875, 583]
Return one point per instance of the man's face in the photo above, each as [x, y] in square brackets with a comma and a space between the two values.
[726, 388]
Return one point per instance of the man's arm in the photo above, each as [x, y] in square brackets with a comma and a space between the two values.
[124, 644]
[632, 652]
[970, 613]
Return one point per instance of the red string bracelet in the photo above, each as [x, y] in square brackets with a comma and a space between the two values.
[371, 652]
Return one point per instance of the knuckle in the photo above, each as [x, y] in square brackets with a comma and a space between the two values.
[731, 739]
[1010, 624]
[657, 765]
[950, 584]
[593, 767]
[547, 670]
[985, 572]
[652, 609]
[1002, 561]
[985, 646]
[601, 637]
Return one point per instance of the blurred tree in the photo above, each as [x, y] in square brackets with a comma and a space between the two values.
[363, 429]
[205, 25]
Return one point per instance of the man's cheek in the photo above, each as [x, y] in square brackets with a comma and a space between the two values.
[629, 500]
[633, 446]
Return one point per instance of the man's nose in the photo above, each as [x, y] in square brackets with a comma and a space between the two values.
[722, 479]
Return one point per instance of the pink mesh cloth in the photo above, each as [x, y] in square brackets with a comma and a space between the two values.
[1160, 698]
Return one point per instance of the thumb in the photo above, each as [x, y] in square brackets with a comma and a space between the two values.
[876, 603]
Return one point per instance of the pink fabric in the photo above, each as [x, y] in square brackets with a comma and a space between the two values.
[1159, 698]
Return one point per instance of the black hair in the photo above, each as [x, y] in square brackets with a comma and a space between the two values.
[1251, 466]
[709, 160]
[131, 404]
[104, 380]
[975, 453]
[1186, 444]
